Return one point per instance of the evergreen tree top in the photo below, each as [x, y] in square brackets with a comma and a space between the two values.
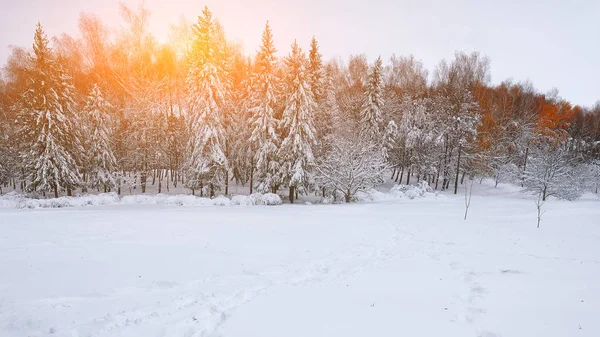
[314, 57]
[265, 59]
[204, 31]
[41, 49]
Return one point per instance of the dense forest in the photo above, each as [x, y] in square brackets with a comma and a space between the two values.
[111, 109]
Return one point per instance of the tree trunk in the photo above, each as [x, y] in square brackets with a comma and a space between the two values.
[457, 171]
[143, 179]
[212, 190]
[226, 183]
[401, 176]
[462, 178]
[55, 191]
[408, 176]
[348, 196]
[251, 179]
[69, 191]
[544, 194]
[323, 192]
[393, 173]
[524, 166]
[445, 167]
[291, 196]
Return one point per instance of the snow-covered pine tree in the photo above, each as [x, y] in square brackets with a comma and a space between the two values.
[370, 113]
[316, 74]
[263, 98]
[101, 160]
[238, 130]
[207, 87]
[328, 112]
[47, 123]
[321, 84]
[8, 157]
[296, 149]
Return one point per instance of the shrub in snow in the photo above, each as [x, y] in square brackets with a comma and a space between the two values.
[351, 165]
[271, 199]
[256, 199]
[16, 200]
[327, 200]
[163, 199]
[396, 192]
[221, 201]
[410, 191]
[241, 200]
[19, 201]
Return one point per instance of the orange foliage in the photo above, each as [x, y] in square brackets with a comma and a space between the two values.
[554, 117]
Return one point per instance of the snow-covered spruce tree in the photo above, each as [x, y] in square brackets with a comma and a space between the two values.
[370, 113]
[321, 84]
[353, 163]
[8, 167]
[263, 98]
[296, 150]
[47, 123]
[239, 131]
[316, 74]
[9, 152]
[207, 87]
[101, 160]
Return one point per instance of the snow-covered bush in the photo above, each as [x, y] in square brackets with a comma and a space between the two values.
[241, 200]
[411, 191]
[221, 201]
[271, 199]
[16, 200]
[397, 192]
[254, 199]
[351, 165]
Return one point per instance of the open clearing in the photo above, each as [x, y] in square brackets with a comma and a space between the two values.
[388, 268]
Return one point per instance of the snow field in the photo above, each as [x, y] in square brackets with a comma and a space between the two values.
[384, 268]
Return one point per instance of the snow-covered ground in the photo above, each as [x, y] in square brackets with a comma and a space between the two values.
[389, 267]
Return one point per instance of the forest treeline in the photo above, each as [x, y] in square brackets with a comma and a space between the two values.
[111, 109]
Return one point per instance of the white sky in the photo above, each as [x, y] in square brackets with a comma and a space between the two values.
[552, 43]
